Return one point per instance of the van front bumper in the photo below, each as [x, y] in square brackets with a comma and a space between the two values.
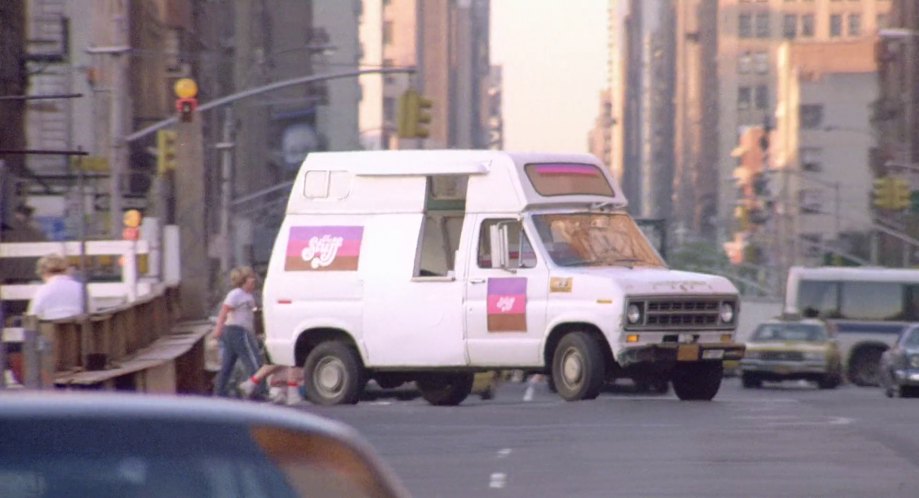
[673, 352]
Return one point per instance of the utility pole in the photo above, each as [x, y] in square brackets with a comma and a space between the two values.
[120, 108]
[13, 81]
[226, 194]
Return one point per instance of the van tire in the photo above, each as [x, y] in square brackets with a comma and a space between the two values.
[697, 381]
[445, 389]
[578, 371]
[333, 374]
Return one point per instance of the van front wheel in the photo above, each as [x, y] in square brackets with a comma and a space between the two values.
[333, 374]
[577, 367]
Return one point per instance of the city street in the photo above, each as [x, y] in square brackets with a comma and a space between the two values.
[782, 440]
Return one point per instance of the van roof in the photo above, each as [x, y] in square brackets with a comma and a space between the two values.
[396, 180]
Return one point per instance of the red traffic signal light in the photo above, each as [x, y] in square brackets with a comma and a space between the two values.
[186, 108]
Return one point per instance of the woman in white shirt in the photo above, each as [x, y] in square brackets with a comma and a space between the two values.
[235, 328]
[59, 296]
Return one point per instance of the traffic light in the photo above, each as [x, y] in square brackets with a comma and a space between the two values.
[883, 192]
[186, 108]
[414, 115]
[165, 151]
[900, 196]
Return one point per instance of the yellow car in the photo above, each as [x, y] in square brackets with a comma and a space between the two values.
[791, 350]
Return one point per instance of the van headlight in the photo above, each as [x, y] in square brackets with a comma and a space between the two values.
[727, 312]
[633, 314]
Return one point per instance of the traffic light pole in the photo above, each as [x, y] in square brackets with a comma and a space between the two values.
[229, 99]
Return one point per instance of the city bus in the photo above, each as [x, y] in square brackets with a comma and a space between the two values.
[866, 306]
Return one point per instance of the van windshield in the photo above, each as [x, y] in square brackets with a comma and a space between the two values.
[595, 239]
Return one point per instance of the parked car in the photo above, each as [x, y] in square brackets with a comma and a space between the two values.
[899, 373]
[792, 350]
[108, 445]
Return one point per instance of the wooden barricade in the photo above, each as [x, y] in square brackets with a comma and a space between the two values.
[132, 347]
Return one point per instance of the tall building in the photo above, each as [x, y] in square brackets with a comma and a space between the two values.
[749, 36]
[647, 98]
[695, 186]
[493, 109]
[820, 151]
[337, 120]
[599, 140]
[447, 42]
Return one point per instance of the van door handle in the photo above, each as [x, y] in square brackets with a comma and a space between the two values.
[476, 280]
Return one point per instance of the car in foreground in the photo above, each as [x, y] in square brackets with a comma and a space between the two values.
[899, 371]
[791, 350]
[119, 444]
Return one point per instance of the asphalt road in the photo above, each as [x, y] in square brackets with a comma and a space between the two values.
[782, 440]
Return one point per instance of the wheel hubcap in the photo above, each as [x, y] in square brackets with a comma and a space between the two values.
[572, 367]
[330, 376]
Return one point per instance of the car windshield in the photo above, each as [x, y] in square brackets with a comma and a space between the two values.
[912, 338]
[789, 332]
[595, 239]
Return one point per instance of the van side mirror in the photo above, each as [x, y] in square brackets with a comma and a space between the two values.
[497, 234]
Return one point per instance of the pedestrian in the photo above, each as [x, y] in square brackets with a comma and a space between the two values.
[235, 328]
[289, 392]
[60, 296]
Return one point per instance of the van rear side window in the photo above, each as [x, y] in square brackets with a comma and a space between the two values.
[320, 184]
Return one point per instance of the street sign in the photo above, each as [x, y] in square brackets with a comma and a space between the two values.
[101, 202]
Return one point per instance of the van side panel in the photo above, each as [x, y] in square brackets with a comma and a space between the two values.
[313, 281]
[408, 322]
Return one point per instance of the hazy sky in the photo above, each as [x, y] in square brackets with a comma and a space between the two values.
[554, 55]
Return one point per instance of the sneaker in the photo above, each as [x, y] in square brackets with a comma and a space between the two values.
[277, 395]
[247, 388]
[293, 395]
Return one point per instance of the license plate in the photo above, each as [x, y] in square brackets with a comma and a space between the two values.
[687, 352]
[713, 354]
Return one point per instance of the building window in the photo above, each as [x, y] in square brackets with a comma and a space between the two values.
[389, 110]
[744, 98]
[835, 25]
[810, 116]
[744, 63]
[761, 97]
[745, 26]
[855, 24]
[882, 21]
[761, 62]
[762, 25]
[387, 33]
[807, 26]
[810, 158]
[388, 77]
[790, 26]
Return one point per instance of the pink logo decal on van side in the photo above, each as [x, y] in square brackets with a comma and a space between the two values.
[507, 304]
[323, 248]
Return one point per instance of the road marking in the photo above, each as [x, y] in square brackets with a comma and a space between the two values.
[528, 395]
[504, 452]
[498, 480]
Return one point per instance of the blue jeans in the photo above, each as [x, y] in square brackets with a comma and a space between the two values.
[240, 344]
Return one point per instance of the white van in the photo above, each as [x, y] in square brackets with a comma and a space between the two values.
[431, 265]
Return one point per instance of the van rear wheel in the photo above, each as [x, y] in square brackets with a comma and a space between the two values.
[577, 367]
[333, 374]
[445, 389]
